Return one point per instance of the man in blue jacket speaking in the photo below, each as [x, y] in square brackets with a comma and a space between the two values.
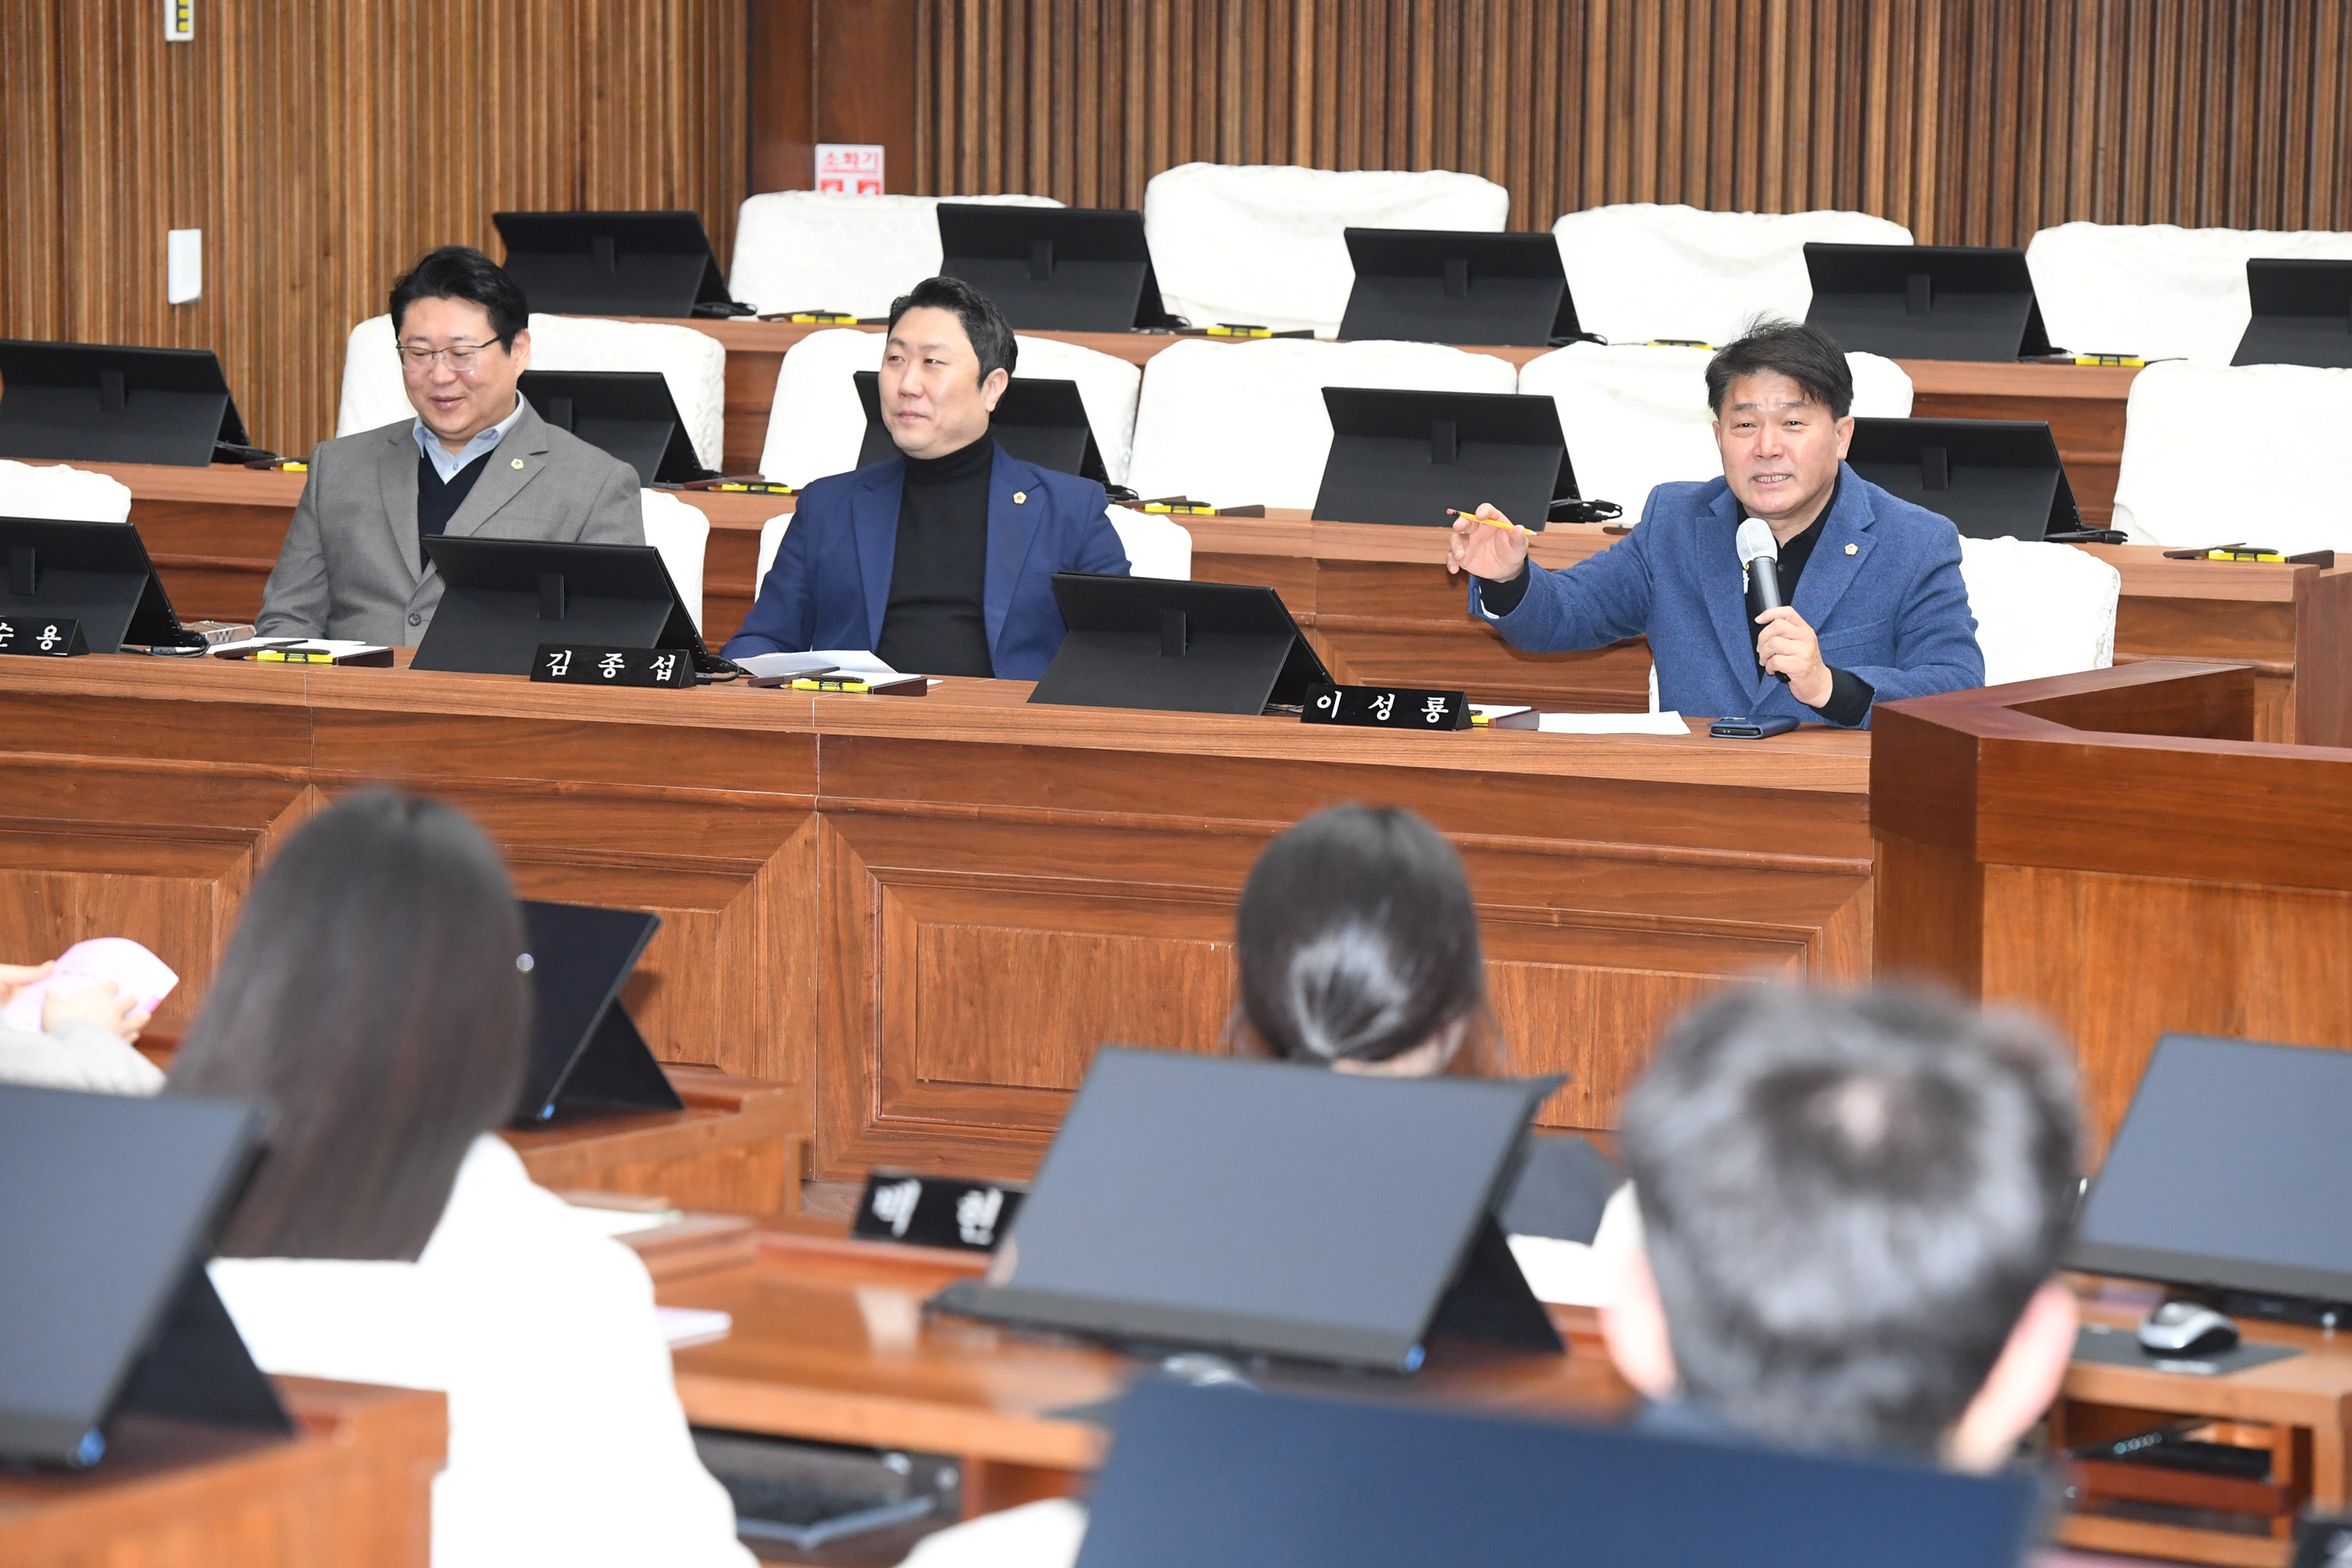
[1873, 606]
[941, 560]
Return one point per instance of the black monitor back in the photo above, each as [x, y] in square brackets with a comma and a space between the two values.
[1405, 457]
[611, 263]
[1246, 1479]
[1261, 1208]
[2229, 1171]
[113, 1205]
[96, 573]
[2302, 313]
[1055, 269]
[1926, 301]
[504, 597]
[1185, 647]
[108, 403]
[628, 413]
[1038, 420]
[586, 1052]
[1449, 285]
[1993, 477]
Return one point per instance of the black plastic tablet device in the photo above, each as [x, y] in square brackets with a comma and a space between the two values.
[113, 1205]
[1270, 1209]
[1246, 1479]
[1055, 269]
[1927, 302]
[628, 413]
[505, 597]
[96, 574]
[1995, 479]
[1406, 457]
[611, 263]
[1454, 286]
[110, 402]
[1185, 647]
[586, 1053]
[2302, 313]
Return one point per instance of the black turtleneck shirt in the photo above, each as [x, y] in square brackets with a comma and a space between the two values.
[934, 624]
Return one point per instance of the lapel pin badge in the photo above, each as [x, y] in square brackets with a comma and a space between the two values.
[517, 463]
[1020, 498]
[1853, 550]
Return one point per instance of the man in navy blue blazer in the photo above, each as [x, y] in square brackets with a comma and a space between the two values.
[941, 560]
[1874, 608]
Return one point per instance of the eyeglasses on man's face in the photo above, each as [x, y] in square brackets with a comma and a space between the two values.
[464, 358]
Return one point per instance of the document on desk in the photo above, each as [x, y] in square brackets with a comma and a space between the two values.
[1614, 724]
[855, 662]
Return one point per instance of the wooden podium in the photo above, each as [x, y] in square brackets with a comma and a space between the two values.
[2114, 851]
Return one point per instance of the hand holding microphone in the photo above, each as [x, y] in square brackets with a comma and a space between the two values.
[1787, 647]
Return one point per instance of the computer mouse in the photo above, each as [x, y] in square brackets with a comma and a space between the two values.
[2186, 1328]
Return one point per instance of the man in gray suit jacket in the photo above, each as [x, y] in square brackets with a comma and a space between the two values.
[476, 459]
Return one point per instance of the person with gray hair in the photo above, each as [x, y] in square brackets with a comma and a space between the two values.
[1852, 1208]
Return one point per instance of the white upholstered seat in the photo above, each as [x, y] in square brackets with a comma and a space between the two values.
[2256, 454]
[1243, 423]
[771, 539]
[682, 533]
[692, 362]
[1636, 417]
[2154, 289]
[1156, 546]
[810, 250]
[55, 491]
[1638, 270]
[2041, 610]
[1262, 243]
[815, 423]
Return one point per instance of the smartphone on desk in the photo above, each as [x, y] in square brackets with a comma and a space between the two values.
[1750, 729]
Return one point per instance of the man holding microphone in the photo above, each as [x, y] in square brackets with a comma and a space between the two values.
[1871, 604]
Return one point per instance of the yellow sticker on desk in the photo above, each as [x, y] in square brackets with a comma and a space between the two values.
[1222, 331]
[806, 319]
[2257, 555]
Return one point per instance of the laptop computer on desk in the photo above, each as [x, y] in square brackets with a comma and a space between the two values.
[1265, 1208]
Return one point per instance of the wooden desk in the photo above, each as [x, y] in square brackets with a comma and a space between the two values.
[734, 1150]
[2300, 1409]
[353, 1489]
[2114, 851]
[927, 912]
[830, 1343]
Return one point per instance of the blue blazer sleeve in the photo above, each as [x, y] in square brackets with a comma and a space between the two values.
[1603, 599]
[1935, 636]
[783, 617]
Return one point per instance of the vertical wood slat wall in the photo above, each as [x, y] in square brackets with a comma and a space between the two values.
[321, 147]
[1971, 121]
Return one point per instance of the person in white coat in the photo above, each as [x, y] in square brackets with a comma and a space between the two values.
[374, 1000]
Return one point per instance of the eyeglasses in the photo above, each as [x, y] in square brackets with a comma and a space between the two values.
[462, 357]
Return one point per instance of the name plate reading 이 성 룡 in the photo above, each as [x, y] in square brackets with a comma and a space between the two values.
[1386, 708]
[43, 636]
[935, 1211]
[567, 665]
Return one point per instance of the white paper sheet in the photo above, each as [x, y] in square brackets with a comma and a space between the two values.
[692, 1325]
[858, 661]
[304, 645]
[1614, 724]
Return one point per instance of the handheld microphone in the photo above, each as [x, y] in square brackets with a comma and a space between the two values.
[1760, 557]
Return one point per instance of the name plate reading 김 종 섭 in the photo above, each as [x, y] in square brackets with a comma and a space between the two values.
[1386, 708]
[43, 636]
[568, 665]
[936, 1211]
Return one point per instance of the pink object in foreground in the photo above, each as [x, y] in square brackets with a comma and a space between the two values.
[134, 971]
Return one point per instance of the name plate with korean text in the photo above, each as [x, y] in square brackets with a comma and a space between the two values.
[43, 636]
[1386, 708]
[567, 664]
[936, 1211]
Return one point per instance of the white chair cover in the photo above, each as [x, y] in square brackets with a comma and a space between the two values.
[815, 423]
[1243, 423]
[692, 362]
[682, 533]
[2041, 610]
[1636, 417]
[2256, 455]
[1641, 271]
[1261, 244]
[771, 539]
[1155, 546]
[2157, 291]
[55, 491]
[808, 251]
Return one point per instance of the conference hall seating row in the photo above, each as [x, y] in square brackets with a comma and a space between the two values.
[1263, 244]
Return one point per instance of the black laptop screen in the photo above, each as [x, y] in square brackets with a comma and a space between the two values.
[581, 958]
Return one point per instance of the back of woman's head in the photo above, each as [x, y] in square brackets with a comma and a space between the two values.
[372, 1001]
[1357, 939]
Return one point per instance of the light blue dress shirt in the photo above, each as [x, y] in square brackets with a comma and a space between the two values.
[446, 462]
